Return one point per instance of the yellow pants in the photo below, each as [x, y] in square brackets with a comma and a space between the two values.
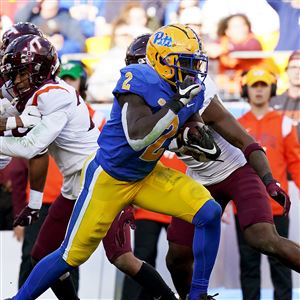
[164, 190]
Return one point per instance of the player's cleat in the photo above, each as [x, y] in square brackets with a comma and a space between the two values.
[204, 297]
[208, 297]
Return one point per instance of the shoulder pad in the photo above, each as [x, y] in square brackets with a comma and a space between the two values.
[53, 97]
[138, 79]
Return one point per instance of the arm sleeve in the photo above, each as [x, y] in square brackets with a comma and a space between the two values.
[37, 139]
[292, 154]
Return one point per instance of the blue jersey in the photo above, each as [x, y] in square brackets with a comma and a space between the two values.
[115, 155]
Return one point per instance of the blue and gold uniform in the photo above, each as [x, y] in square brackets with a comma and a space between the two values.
[115, 155]
[120, 173]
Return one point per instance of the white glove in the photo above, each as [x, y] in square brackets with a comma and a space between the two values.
[4, 161]
[30, 117]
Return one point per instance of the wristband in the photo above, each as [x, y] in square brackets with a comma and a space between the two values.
[11, 123]
[35, 199]
[252, 147]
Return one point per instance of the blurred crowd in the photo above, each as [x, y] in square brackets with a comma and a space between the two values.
[237, 36]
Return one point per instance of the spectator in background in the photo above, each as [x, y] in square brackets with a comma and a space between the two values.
[191, 16]
[155, 10]
[56, 23]
[289, 101]
[235, 34]
[103, 80]
[135, 16]
[276, 133]
[75, 75]
[89, 13]
[289, 18]
[174, 7]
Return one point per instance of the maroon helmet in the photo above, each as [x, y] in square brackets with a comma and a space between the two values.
[33, 54]
[15, 31]
[19, 29]
[136, 51]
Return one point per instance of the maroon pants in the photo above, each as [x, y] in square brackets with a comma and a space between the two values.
[54, 228]
[248, 193]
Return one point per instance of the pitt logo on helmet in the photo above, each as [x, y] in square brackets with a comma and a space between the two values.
[160, 38]
[175, 51]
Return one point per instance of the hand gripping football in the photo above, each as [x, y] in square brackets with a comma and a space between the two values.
[197, 141]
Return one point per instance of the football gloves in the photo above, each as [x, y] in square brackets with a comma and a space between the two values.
[126, 218]
[187, 90]
[277, 193]
[202, 146]
[26, 217]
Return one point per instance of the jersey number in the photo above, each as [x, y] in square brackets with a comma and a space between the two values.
[154, 151]
[126, 85]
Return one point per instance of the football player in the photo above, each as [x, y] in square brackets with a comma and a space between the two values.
[237, 176]
[30, 64]
[151, 102]
[221, 178]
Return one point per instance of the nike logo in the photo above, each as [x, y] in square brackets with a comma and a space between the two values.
[190, 104]
[188, 89]
[33, 115]
[209, 151]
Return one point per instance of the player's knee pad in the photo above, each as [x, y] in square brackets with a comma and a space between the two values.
[210, 212]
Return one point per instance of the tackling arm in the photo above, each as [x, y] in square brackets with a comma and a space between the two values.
[37, 139]
[226, 125]
[10, 123]
[28, 119]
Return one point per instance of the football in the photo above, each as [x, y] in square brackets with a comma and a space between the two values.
[196, 140]
[189, 131]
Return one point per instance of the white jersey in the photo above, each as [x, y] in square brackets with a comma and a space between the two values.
[231, 158]
[66, 129]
